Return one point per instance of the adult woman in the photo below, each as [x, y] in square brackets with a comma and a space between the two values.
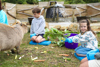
[3, 16]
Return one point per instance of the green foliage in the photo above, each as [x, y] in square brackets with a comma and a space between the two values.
[78, 2]
[56, 36]
[32, 1]
[91, 1]
[65, 1]
[21, 1]
[74, 2]
[10, 1]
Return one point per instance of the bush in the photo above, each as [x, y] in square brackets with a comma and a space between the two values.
[32, 1]
[74, 2]
[10, 1]
[78, 2]
[21, 1]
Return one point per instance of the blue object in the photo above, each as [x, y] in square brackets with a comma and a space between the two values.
[32, 35]
[78, 57]
[91, 54]
[82, 50]
[41, 43]
[68, 40]
[32, 43]
[46, 43]
[71, 45]
[3, 17]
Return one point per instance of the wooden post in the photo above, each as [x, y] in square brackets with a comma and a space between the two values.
[57, 18]
[73, 16]
[45, 13]
[54, 14]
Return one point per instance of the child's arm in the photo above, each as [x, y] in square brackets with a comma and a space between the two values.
[83, 38]
[41, 28]
[75, 39]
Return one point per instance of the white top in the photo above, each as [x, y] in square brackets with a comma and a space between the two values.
[87, 40]
[38, 26]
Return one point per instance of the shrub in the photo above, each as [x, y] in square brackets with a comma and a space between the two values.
[32, 1]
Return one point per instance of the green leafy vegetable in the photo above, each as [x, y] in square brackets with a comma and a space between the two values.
[56, 36]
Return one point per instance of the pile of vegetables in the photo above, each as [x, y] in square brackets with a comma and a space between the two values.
[56, 36]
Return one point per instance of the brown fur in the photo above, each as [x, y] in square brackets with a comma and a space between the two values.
[57, 27]
[43, 12]
[10, 37]
[16, 22]
[46, 25]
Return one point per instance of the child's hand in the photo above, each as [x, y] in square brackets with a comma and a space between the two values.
[68, 40]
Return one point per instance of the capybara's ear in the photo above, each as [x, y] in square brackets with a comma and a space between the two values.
[16, 22]
[21, 24]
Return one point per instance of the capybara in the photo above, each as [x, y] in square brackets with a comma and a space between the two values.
[11, 36]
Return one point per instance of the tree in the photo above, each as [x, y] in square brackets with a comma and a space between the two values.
[65, 1]
[10, 1]
[78, 1]
[32, 1]
[91, 1]
[21, 1]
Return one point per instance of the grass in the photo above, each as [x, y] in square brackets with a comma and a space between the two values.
[52, 58]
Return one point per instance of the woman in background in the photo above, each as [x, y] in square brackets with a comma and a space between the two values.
[3, 16]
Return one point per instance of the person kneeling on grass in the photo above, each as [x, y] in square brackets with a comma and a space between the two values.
[38, 26]
[86, 38]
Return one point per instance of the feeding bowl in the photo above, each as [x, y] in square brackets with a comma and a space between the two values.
[71, 45]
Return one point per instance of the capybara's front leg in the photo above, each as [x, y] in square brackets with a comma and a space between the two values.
[0, 48]
[12, 50]
[17, 48]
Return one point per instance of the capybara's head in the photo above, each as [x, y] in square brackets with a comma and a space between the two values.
[16, 22]
[24, 27]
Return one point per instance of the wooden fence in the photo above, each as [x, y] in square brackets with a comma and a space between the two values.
[18, 11]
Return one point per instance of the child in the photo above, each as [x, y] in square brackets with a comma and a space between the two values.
[86, 38]
[37, 26]
[3, 16]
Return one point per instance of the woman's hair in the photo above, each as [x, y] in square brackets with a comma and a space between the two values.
[88, 24]
[0, 5]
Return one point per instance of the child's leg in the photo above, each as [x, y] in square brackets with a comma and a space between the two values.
[84, 60]
[33, 38]
[85, 64]
[38, 39]
[78, 48]
[82, 51]
[81, 55]
[43, 39]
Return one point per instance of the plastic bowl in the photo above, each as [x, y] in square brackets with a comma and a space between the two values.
[71, 45]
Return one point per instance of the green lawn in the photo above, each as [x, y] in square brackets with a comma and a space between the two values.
[52, 57]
